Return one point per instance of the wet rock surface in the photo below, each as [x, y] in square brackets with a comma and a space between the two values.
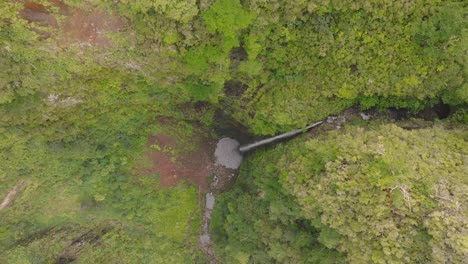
[227, 153]
[227, 161]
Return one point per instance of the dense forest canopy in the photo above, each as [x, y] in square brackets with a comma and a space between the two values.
[275, 65]
[374, 195]
[83, 84]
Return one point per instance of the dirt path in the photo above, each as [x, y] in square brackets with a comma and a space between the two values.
[10, 197]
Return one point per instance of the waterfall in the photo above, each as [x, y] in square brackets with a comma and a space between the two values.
[248, 147]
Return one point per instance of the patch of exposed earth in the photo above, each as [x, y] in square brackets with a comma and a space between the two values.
[172, 167]
[195, 158]
[211, 165]
[73, 25]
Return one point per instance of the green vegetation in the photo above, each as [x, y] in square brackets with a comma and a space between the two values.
[319, 57]
[375, 195]
[298, 61]
[83, 83]
[72, 126]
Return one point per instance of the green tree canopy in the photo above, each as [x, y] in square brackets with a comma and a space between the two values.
[376, 195]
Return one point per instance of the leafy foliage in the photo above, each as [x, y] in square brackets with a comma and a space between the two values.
[74, 117]
[303, 60]
[384, 54]
[73, 122]
[227, 17]
[260, 222]
[380, 195]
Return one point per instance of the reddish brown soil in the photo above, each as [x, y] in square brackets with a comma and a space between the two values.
[38, 14]
[80, 25]
[64, 9]
[90, 27]
[195, 167]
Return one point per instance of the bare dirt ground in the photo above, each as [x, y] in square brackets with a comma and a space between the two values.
[170, 160]
[195, 166]
[37, 13]
[79, 25]
[90, 27]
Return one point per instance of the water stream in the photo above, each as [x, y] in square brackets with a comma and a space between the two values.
[205, 238]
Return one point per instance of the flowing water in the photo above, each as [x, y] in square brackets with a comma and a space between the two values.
[228, 157]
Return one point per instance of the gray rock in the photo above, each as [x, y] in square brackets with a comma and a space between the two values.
[227, 153]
